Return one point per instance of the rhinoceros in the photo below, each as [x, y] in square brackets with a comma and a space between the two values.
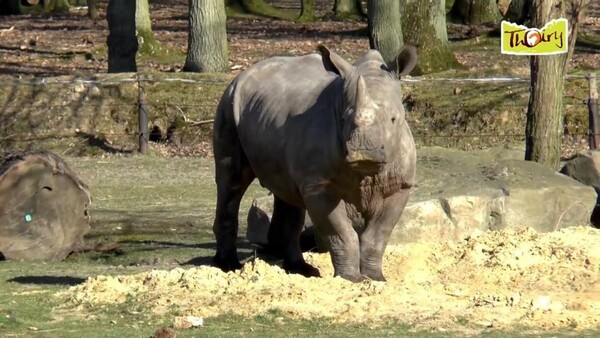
[327, 137]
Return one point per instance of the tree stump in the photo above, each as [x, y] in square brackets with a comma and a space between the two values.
[43, 207]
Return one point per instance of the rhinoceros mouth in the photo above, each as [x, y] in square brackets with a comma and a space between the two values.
[366, 167]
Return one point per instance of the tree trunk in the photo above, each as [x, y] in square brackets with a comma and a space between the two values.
[143, 27]
[544, 111]
[260, 7]
[61, 6]
[121, 41]
[344, 9]
[424, 25]
[93, 9]
[307, 10]
[475, 12]
[43, 207]
[56, 6]
[385, 27]
[207, 37]
[518, 11]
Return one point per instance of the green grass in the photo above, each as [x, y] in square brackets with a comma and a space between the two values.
[161, 211]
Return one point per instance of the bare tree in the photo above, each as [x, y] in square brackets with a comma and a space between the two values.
[544, 112]
[259, 7]
[424, 25]
[348, 8]
[476, 12]
[385, 27]
[143, 27]
[93, 9]
[207, 37]
[307, 10]
[121, 41]
[518, 11]
[52, 5]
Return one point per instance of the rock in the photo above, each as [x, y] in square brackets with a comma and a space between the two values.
[541, 303]
[514, 299]
[165, 332]
[259, 216]
[585, 168]
[459, 194]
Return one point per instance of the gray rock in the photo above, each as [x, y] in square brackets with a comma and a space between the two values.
[585, 168]
[259, 217]
[459, 193]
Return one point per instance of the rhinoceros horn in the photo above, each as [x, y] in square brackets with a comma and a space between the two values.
[364, 105]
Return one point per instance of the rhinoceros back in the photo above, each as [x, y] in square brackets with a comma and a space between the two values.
[283, 111]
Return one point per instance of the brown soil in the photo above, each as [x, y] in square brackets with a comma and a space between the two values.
[66, 44]
[493, 280]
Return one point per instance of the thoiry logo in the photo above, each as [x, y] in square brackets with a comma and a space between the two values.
[520, 40]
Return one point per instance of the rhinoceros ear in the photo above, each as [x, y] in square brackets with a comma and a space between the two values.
[405, 61]
[335, 63]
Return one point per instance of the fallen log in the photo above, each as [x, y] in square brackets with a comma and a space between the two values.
[43, 207]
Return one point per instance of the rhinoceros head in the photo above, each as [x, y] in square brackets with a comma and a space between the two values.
[372, 115]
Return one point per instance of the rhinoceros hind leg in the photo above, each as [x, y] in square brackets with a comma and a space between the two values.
[227, 263]
[301, 268]
[233, 175]
[284, 238]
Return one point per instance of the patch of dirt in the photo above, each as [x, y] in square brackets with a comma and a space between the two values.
[504, 279]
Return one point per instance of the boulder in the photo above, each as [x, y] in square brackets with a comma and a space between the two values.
[585, 168]
[462, 192]
[259, 218]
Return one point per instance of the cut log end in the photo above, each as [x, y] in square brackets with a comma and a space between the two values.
[43, 207]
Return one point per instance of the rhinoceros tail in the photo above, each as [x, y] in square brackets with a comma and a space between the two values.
[226, 141]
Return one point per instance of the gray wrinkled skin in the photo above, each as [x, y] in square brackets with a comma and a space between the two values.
[325, 136]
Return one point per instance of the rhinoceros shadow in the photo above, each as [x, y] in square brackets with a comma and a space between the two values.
[48, 280]
[245, 252]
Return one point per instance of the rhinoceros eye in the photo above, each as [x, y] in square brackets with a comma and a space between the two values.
[393, 119]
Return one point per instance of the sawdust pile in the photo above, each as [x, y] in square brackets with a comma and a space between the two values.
[490, 280]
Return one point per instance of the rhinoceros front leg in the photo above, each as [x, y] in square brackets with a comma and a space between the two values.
[378, 229]
[328, 214]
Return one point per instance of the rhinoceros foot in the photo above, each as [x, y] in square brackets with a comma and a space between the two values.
[355, 278]
[376, 276]
[301, 268]
[227, 263]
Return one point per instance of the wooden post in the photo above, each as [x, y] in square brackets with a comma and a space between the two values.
[594, 119]
[142, 119]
